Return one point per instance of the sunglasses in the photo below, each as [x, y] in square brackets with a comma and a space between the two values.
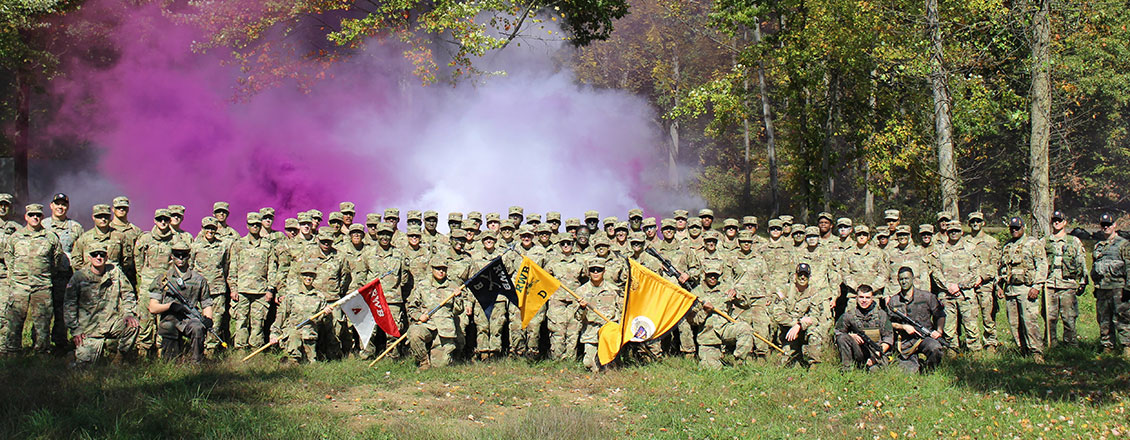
[102, 216]
[98, 254]
[596, 269]
[35, 214]
[180, 255]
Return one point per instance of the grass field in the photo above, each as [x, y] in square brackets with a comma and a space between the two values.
[1077, 394]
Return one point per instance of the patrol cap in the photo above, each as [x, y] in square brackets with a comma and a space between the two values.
[648, 222]
[902, 229]
[944, 216]
[954, 225]
[356, 227]
[862, 229]
[431, 214]
[120, 202]
[469, 225]
[290, 223]
[1058, 215]
[553, 216]
[600, 240]
[693, 222]
[515, 210]
[7, 198]
[712, 267]
[211, 222]
[304, 217]
[475, 215]
[455, 217]
[414, 231]
[161, 212]
[264, 212]
[596, 261]
[572, 223]
[347, 207]
[60, 197]
[254, 218]
[786, 219]
[635, 212]
[533, 218]
[392, 213]
[373, 218]
[745, 235]
[543, 229]
[438, 261]
[506, 224]
[705, 212]
[414, 215]
[384, 228]
[610, 221]
[637, 237]
[667, 223]
[488, 234]
[326, 233]
[749, 220]
[1015, 222]
[812, 230]
[309, 268]
[590, 214]
[336, 217]
[96, 246]
[315, 214]
[180, 245]
[925, 229]
[1106, 219]
[730, 223]
[179, 210]
[843, 221]
[799, 228]
[101, 209]
[892, 214]
[458, 233]
[621, 226]
[882, 232]
[976, 216]
[220, 206]
[525, 230]
[563, 238]
[803, 268]
[826, 215]
[680, 214]
[711, 235]
[776, 223]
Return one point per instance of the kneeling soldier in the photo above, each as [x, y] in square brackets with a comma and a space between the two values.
[864, 333]
[98, 307]
[716, 331]
[432, 340]
[176, 319]
[299, 303]
[922, 307]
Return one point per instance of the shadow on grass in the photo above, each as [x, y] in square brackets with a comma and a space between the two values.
[1075, 374]
[42, 398]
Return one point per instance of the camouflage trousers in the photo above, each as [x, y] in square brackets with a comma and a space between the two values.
[221, 319]
[301, 343]
[986, 301]
[808, 348]
[590, 357]
[26, 303]
[488, 331]
[525, 341]
[335, 336]
[1024, 319]
[685, 333]
[564, 329]
[854, 355]
[919, 355]
[1062, 306]
[963, 310]
[428, 347]
[757, 317]
[249, 321]
[736, 334]
[1112, 310]
[374, 347]
[4, 291]
[121, 338]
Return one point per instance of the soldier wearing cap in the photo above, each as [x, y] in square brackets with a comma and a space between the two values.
[289, 254]
[614, 265]
[99, 307]
[267, 219]
[694, 234]
[494, 221]
[799, 239]
[534, 220]
[716, 333]
[882, 239]
[600, 296]
[220, 211]
[431, 235]
[210, 258]
[459, 265]
[351, 249]
[432, 341]
[488, 331]
[824, 223]
[130, 233]
[865, 318]
[7, 226]
[564, 328]
[476, 217]
[335, 337]
[516, 215]
[416, 218]
[67, 230]
[544, 235]
[592, 221]
[416, 255]
[844, 229]
[176, 218]
[923, 307]
[290, 229]
[778, 253]
[34, 257]
[620, 238]
[926, 239]
[1108, 271]
[100, 233]
[635, 220]
[650, 230]
[729, 239]
[522, 344]
[454, 221]
[1067, 279]
[316, 218]
[688, 272]
[506, 231]
[706, 216]
[943, 220]
[711, 251]
[956, 273]
[824, 278]
[799, 310]
[392, 217]
[680, 216]
[153, 256]
[610, 227]
[348, 212]
[1021, 275]
[752, 278]
[786, 225]
[384, 261]
[859, 265]
[553, 219]
[892, 217]
[337, 222]
[249, 280]
[471, 231]
[572, 224]
[373, 222]
[987, 250]
[176, 321]
[299, 303]
[750, 223]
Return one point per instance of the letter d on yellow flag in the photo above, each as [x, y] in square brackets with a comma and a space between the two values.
[534, 285]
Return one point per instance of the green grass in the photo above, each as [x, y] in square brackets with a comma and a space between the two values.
[1076, 394]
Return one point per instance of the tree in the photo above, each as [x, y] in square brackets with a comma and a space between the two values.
[943, 128]
[1040, 189]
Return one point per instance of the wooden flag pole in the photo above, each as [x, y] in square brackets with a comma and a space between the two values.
[313, 317]
[731, 319]
[601, 315]
[405, 335]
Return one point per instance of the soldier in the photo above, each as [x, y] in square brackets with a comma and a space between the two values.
[352, 248]
[798, 235]
[752, 278]
[534, 220]
[102, 233]
[667, 241]
[620, 240]
[600, 297]
[956, 272]
[432, 340]
[1067, 279]
[892, 217]
[290, 229]
[488, 336]
[943, 218]
[337, 223]
[650, 230]
[7, 226]
[525, 341]
[316, 218]
[220, 211]
[392, 218]
[824, 223]
[68, 231]
[863, 264]
[716, 332]
[298, 304]
[390, 264]
[905, 253]
[348, 213]
[545, 240]
[614, 265]
[34, 257]
[564, 328]
[267, 219]
[610, 227]
[864, 318]
[373, 222]
[476, 218]
[680, 216]
[787, 225]
[925, 239]
[506, 234]
[250, 285]
[844, 230]
[210, 258]
[797, 310]
[130, 234]
[153, 256]
[824, 280]
[778, 254]
[289, 254]
[582, 245]
[592, 221]
[99, 307]
[711, 252]
[516, 215]
[416, 259]
[882, 239]
[176, 322]
[454, 221]
[572, 225]
[416, 218]
[635, 220]
[1112, 302]
[335, 337]
[923, 307]
[750, 223]
[729, 240]
[1022, 272]
[176, 218]
[431, 236]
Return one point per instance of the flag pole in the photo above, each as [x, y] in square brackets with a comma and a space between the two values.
[601, 315]
[733, 321]
[429, 314]
[320, 314]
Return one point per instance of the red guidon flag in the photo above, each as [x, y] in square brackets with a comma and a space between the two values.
[367, 308]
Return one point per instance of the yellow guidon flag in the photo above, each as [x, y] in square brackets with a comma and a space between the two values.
[652, 306]
[533, 285]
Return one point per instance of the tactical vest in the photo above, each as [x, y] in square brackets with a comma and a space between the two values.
[1109, 271]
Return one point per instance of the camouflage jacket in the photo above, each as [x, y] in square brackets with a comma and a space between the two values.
[605, 299]
[34, 257]
[389, 264]
[115, 248]
[1109, 268]
[1067, 262]
[956, 264]
[92, 304]
[1024, 262]
[252, 260]
[867, 265]
[211, 260]
[430, 296]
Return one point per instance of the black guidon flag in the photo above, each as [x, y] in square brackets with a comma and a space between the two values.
[490, 282]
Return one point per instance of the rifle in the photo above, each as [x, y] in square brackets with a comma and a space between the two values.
[918, 328]
[874, 351]
[669, 268]
[193, 312]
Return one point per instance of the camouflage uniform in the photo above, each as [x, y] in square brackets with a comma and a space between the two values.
[111, 239]
[172, 327]
[249, 280]
[210, 259]
[752, 279]
[389, 264]
[335, 337]
[1112, 304]
[298, 303]
[778, 256]
[788, 308]
[957, 265]
[987, 250]
[68, 231]
[96, 306]
[33, 256]
[152, 255]
[130, 234]
[1067, 272]
[432, 343]
[488, 337]
[864, 265]
[715, 331]
[564, 328]
[604, 298]
[525, 341]
[910, 256]
[1023, 266]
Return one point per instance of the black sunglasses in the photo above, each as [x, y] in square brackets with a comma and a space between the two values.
[98, 254]
[596, 269]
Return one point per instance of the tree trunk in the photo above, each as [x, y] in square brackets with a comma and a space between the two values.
[673, 129]
[869, 195]
[832, 95]
[809, 199]
[747, 191]
[1039, 186]
[770, 133]
[22, 141]
[943, 128]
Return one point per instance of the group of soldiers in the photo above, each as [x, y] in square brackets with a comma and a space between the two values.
[803, 292]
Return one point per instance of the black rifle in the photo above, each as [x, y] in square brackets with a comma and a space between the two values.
[918, 328]
[669, 268]
[874, 351]
[193, 312]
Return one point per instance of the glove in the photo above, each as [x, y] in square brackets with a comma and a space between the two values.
[178, 309]
[207, 322]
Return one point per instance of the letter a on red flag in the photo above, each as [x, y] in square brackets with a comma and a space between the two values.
[369, 309]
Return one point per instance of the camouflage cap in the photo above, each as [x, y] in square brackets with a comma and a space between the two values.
[667, 223]
[506, 224]
[414, 231]
[1106, 219]
[304, 217]
[711, 235]
[553, 216]
[862, 229]
[621, 226]
[488, 234]
[121, 202]
[347, 208]
[180, 245]
[515, 210]
[803, 268]
[458, 233]
[101, 209]
[533, 218]
[902, 229]
[475, 215]
[392, 213]
[649, 222]
[373, 218]
[954, 225]
[712, 267]
[730, 223]
[315, 214]
[693, 222]
[680, 214]
[843, 221]
[590, 214]
[211, 222]
[290, 223]
[882, 232]
[812, 230]
[7, 198]
[493, 217]
[635, 212]
[891, 214]
[162, 212]
[610, 221]
[925, 229]
[326, 233]
[221, 206]
[800, 228]
[431, 214]
[563, 238]
[750, 220]
[776, 223]
[469, 225]
[34, 208]
[826, 215]
[336, 216]
[637, 237]
[267, 212]
[96, 246]
[455, 217]
[786, 219]
[746, 235]
[176, 210]
[596, 261]
[543, 229]
[572, 222]
[976, 215]
[309, 268]
[525, 230]
[254, 218]
[705, 212]
[438, 261]
[600, 240]
[414, 214]
[385, 228]
[944, 216]
[357, 227]
[1016, 222]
